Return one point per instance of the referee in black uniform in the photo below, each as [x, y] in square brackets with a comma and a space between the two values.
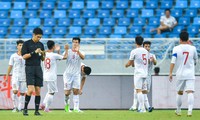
[33, 53]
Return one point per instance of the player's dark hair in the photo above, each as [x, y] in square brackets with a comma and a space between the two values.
[139, 40]
[38, 31]
[76, 38]
[146, 42]
[184, 36]
[20, 42]
[87, 70]
[167, 10]
[50, 44]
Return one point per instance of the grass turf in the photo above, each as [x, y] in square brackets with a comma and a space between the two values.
[100, 115]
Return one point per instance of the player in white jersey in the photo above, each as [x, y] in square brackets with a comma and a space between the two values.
[139, 57]
[185, 57]
[72, 74]
[18, 80]
[50, 72]
[152, 61]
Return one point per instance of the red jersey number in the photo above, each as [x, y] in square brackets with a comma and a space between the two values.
[186, 58]
[47, 63]
[144, 59]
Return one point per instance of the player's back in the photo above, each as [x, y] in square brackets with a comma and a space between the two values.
[140, 61]
[185, 61]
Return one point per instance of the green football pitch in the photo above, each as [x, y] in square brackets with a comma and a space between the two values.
[100, 115]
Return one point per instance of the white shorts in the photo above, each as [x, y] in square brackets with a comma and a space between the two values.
[140, 83]
[19, 85]
[148, 83]
[52, 86]
[185, 85]
[71, 81]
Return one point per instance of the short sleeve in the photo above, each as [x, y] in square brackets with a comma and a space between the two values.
[132, 55]
[11, 61]
[24, 49]
[174, 56]
[154, 56]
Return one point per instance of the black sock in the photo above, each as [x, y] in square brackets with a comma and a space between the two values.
[37, 103]
[27, 99]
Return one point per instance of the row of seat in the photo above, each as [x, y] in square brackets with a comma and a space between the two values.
[96, 5]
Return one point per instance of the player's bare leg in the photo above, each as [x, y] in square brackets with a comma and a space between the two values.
[179, 103]
[140, 97]
[14, 99]
[67, 100]
[190, 102]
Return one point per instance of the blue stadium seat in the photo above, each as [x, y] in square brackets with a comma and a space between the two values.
[124, 22]
[64, 22]
[16, 14]
[181, 4]
[108, 21]
[45, 14]
[34, 22]
[176, 12]
[34, 5]
[136, 4]
[193, 29]
[151, 4]
[100, 56]
[89, 57]
[86, 36]
[139, 21]
[30, 14]
[56, 36]
[3, 30]
[19, 5]
[63, 5]
[16, 30]
[194, 4]
[88, 14]
[71, 36]
[13, 36]
[160, 36]
[184, 21]
[148, 29]
[79, 22]
[75, 30]
[90, 30]
[115, 36]
[136, 30]
[129, 36]
[132, 13]
[60, 30]
[5, 5]
[107, 4]
[94, 22]
[101, 36]
[47, 30]
[146, 13]
[160, 12]
[103, 13]
[166, 4]
[122, 4]
[117, 55]
[120, 30]
[48, 5]
[118, 13]
[59, 14]
[29, 30]
[196, 21]
[74, 14]
[154, 21]
[19, 22]
[4, 22]
[92, 4]
[173, 35]
[178, 29]
[3, 14]
[146, 35]
[48, 22]
[105, 30]
[191, 13]
[77, 5]
[26, 36]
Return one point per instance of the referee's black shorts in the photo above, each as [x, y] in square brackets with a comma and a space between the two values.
[34, 75]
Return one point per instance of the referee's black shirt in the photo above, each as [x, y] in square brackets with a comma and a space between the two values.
[30, 46]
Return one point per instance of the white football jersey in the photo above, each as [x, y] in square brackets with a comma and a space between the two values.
[73, 63]
[150, 67]
[184, 57]
[140, 57]
[50, 66]
[18, 64]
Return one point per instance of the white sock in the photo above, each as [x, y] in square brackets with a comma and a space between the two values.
[178, 102]
[14, 99]
[21, 102]
[190, 101]
[76, 102]
[67, 99]
[45, 99]
[146, 101]
[140, 100]
[49, 101]
[135, 100]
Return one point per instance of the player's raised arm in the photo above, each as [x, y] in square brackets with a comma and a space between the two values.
[66, 51]
[82, 55]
